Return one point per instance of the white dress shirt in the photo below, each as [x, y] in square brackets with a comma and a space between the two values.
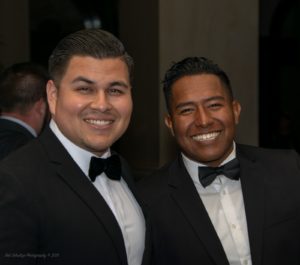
[117, 196]
[223, 200]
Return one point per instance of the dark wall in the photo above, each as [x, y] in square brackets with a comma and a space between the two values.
[279, 71]
[136, 24]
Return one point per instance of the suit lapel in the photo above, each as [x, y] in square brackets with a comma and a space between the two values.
[126, 175]
[187, 198]
[252, 180]
[185, 195]
[75, 179]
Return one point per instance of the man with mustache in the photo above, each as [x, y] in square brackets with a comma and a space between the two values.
[219, 202]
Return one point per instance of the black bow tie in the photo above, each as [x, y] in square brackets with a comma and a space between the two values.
[208, 174]
[111, 166]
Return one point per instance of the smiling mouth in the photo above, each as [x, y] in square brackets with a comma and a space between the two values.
[206, 136]
[99, 122]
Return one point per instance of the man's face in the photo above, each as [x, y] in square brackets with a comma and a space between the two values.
[203, 118]
[92, 105]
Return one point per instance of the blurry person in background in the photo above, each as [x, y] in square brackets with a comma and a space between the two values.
[23, 105]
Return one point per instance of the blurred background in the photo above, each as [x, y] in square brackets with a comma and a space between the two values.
[255, 42]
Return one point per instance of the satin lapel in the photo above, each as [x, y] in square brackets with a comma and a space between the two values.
[127, 176]
[252, 180]
[74, 178]
[186, 197]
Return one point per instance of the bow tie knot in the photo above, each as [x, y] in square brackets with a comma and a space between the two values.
[208, 174]
[111, 166]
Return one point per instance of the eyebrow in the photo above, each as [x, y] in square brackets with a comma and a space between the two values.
[187, 103]
[119, 83]
[83, 79]
[89, 81]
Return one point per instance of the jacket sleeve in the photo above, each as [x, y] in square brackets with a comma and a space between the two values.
[18, 223]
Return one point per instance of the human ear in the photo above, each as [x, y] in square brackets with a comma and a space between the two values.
[51, 96]
[169, 123]
[40, 107]
[236, 107]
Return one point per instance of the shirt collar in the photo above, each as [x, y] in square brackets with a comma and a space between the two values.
[81, 156]
[22, 123]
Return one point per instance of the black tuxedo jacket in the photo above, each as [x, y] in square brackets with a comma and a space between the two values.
[50, 213]
[12, 136]
[181, 230]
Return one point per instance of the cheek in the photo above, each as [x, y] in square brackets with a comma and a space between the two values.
[125, 108]
[181, 129]
[230, 125]
[70, 105]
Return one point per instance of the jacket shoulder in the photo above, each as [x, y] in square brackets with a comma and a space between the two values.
[265, 151]
[268, 155]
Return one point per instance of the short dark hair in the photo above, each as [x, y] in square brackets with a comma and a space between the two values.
[192, 66]
[96, 43]
[21, 85]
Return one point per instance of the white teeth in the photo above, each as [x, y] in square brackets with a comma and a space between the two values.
[99, 122]
[206, 137]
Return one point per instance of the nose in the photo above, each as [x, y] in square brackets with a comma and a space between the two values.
[203, 118]
[101, 101]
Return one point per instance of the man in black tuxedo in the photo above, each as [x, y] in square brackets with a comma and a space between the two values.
[22, 104]
[67, 198]
[219, 202]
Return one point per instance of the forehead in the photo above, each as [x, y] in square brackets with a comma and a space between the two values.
[198, 86]
[89, 62]
[96, 68]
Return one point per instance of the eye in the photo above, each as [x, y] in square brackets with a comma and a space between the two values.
[186, 111]
[215, 105]
[115, 91]
[84, 89]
